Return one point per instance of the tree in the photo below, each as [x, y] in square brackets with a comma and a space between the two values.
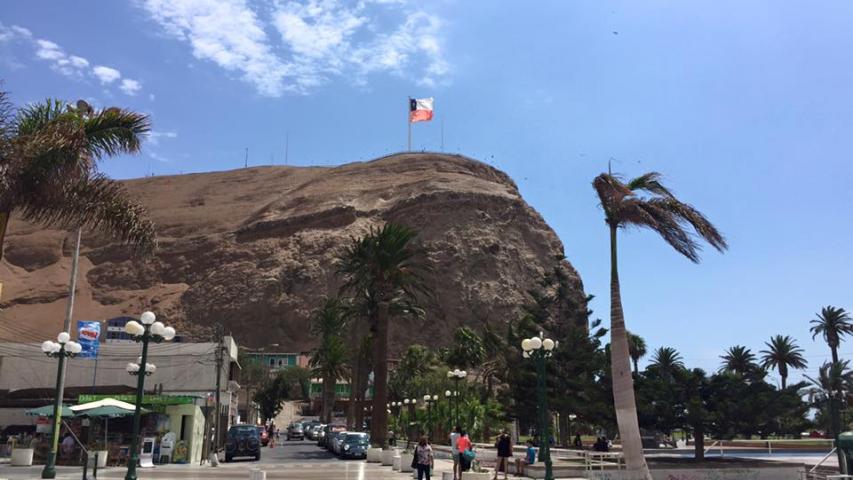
[666, 360]
[386, 266]
[48, 157]
[328, 360]
[832, 324]
[658, 209]
[467, 349]
[252, 376]
[739, 360]
[289, 384]
[830, 387]
[782, 353]
[636, 349]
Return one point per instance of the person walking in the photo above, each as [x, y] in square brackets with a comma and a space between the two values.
[504, 448]
[424, 458]
[454, 452]
[463, 446]
[271, 435]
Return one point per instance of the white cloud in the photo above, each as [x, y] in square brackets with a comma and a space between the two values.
[158, 157]
[151, 97]
[67, 64]
[317, 40]
[106, 75]
[130, 87]
[155, 136]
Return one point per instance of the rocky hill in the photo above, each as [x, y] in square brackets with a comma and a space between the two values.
[255, 248]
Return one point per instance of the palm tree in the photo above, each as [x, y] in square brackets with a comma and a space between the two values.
[328, 360]
[739, 360]
[385, 266]
[828, 390]
[667, 360]
[659, 210]
[782, 353]
[48, 157]
[637, 350]
[833, 324]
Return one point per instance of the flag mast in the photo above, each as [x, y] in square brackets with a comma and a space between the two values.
[409, 121]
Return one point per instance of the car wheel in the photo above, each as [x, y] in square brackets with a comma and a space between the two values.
[228, 458]
[258, 457]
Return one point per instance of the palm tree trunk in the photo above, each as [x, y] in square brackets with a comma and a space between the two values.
[834, 349]
[623, 381]
[353, 389]
[784, 381]
[4, 223]
[328, 398]
[379, 425]
[636, 366]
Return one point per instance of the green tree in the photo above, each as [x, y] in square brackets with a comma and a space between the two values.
[253, 375]
[636, 349]
[782, 353]
[739, 360]
[832, 324]
[390, 269]
[48, 168]
[328, 360]
[642, 202]
[467, 349]
[666, 360]
[291, 383]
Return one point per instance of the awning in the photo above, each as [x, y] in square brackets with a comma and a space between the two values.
[47, 411]
[109, 411]
[106, 402]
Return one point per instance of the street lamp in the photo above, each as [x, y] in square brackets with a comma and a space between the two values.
[149, 330]
[429, 400]
[62, 348]
[572, 418]
[456, 375]
[539, 350]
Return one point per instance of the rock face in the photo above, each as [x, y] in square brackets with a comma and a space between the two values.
[256, 249]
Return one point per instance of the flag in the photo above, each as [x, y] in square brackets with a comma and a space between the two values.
[88, 335]
[420, 109]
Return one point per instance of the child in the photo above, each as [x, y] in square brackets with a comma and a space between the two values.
[529, 459]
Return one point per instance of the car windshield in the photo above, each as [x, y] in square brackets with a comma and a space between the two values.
[357, 439]
[242, 431]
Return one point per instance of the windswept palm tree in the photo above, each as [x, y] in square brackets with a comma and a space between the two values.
[329, 359]
[48, 157]
[385, 266]
[667, 360]
[829, 389]
[739, 360]
[832, 324]
[637, 350]
[646, 203]
[782, 353]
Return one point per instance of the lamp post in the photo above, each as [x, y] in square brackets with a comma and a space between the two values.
[63, 348]
[428, 401]
[539, 350]
[572, 418]
[145, 331]
[456, 375]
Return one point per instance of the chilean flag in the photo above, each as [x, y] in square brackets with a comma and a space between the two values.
[420, 109]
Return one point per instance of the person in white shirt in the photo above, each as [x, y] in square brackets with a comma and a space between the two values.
[454, 436]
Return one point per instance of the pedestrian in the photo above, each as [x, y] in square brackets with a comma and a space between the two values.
[424, 458]
[504, 448]
[466, 452]
[578, 443]
[67, 446]
[454, 437]
[271, 434]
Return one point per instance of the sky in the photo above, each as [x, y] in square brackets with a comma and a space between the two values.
[745, 107]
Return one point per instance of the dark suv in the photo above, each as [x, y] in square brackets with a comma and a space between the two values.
[242, 441]
[295, 430]
[354, 445]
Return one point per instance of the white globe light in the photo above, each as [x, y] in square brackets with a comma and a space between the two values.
[406, 401]
[75, 347]
[56, 347]
[548, 344]
[525, 354]
[525, 345]
[447, 393]
[426, 398]
[63, 337]
[414, 401]
[449, 374]
[435, 398]
[47, 346]
[535, 343]
[132, 368]
[150, 367]
[147, 318]
[389, 412]
[463, 374]
[139, 360]
[168, 333]
[157, 328]
[132, 327]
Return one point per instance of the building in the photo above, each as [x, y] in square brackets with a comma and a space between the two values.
[277, 360]
[183, 387]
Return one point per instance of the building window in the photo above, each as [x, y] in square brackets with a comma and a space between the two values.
[272, 362]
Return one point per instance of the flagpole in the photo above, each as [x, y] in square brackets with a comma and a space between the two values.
[409, 121]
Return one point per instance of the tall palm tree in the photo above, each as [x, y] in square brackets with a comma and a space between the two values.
[829, 389]
[642, 202]
[833, 324]
[389, 269]
[739, 359]
[48, 157]
[782, 352]
[667, 360]
[329, 359]
[637, 350]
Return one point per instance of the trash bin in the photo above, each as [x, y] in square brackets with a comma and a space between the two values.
[845, 444]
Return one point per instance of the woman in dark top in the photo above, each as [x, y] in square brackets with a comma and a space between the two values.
[504, 447]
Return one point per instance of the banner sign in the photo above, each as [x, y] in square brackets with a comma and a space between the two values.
[89, 336]
[146, 399]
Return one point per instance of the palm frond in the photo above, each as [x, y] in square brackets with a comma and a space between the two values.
[113, 131]
[650, 182]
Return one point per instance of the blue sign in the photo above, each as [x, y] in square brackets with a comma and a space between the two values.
[89, 336]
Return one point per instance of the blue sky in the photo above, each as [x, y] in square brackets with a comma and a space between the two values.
[746, 107]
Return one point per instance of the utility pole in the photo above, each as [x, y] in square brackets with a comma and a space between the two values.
[246, 160]
[219, 361]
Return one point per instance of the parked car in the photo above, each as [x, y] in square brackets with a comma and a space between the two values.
[331, 432]
[354, 445]
[336, 441]
[265, 437]
[242, 441]
[313, 431]
[295, 430]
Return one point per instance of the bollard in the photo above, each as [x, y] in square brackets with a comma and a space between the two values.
[257, 474]
[95, 467]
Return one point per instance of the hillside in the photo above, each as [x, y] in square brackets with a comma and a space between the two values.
[255, 248]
